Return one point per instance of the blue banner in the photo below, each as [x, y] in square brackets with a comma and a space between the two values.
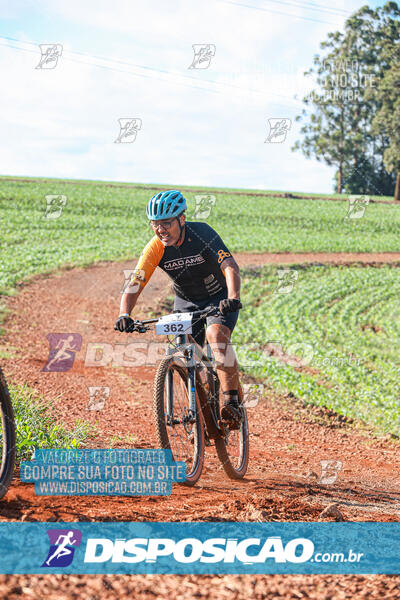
[200, 548]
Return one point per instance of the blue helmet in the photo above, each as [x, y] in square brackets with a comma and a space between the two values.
[165, 205]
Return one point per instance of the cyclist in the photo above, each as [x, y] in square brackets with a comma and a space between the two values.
[204, 273]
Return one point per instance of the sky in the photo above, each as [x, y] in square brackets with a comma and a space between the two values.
[130, 59]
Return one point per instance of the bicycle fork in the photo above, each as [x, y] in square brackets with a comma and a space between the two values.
[191, 383]
[190, 416]
[170, 399]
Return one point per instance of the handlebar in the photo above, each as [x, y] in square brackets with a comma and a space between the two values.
[143, 326]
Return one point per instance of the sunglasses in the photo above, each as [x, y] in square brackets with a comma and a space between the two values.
[163, 224]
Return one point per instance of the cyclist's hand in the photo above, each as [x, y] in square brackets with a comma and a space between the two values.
[124, 323]
[229, 305]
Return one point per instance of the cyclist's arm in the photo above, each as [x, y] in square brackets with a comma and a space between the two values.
[128, 301]
[148, 261]
[218, 252]
[231, 270]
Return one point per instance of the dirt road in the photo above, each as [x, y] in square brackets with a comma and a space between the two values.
[288, 441]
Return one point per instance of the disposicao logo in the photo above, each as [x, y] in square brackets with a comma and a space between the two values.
[62, 542]
[190, 550]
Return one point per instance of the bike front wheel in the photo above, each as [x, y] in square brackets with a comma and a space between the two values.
[7, 437]
[233, 449]
[178, 429]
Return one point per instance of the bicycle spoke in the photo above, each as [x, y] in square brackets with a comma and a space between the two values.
[181, 446]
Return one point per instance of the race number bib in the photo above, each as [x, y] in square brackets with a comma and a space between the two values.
[179, 323]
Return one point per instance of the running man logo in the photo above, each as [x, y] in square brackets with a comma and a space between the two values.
[222, 254]
[62, 542]
[99, 394]
[203, 54]
[133, 277]
[54, 205]
[252, 392]
[357, 207]
[329, 471]
[128, 129]
[287, 279]
[204, 204]
[62, 351]
[278, 130]
[50, 53]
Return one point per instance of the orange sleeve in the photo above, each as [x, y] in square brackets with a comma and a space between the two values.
[148, 261]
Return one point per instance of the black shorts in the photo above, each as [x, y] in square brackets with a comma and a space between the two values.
[198, 328]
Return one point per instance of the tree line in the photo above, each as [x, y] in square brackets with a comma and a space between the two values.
[351, 119]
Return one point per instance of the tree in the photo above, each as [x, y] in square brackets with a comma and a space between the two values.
[338, 119]
[326, 134]
[387, 120]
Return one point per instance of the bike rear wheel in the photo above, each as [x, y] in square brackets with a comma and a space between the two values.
[177, 428]
[7, 437]
[233, 449]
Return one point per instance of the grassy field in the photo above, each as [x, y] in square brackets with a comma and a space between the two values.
[344, 322]
[333, 313]
[36, 425]
[100, 222]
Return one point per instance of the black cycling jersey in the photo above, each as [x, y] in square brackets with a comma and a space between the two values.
[194, 266]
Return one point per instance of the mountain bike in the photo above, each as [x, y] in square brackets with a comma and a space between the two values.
[7, 437]
[186, 400]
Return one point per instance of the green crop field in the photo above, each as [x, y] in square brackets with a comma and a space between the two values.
[107, 222]
[343, 321]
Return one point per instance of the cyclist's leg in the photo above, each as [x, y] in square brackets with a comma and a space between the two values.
[218, 334]
[219, 330]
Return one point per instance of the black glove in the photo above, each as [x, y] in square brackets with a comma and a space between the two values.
[229, 305]
[124, 323]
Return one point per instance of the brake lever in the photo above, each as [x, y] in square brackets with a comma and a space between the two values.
[213, 311]
[137, 327]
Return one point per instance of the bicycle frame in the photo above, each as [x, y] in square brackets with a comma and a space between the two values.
[186, 348]
[194, 356]
[199, 414]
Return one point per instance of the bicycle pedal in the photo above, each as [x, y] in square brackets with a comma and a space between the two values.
[231, 417]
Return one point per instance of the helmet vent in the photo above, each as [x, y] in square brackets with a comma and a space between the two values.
[165, 204]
